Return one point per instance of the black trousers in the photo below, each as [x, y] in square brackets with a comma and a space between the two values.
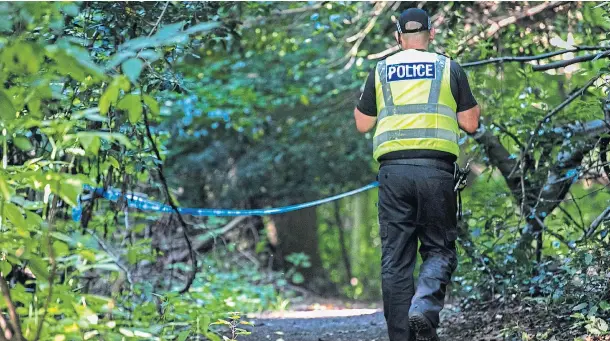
[415, 203]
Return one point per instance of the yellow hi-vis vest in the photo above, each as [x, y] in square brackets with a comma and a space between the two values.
[415, 107]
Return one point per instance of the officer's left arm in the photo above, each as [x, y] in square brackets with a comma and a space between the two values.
[365, 113]
[364, 122]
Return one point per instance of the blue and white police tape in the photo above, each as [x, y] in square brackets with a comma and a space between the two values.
[143, 204]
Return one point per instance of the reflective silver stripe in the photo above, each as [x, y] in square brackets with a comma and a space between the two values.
[403, 134]
[417, 109]
[388, 100]
[435, 89]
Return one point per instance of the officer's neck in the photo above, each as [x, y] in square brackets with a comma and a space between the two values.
[421, 47]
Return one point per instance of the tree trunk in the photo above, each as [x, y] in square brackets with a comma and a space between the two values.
[298, 232]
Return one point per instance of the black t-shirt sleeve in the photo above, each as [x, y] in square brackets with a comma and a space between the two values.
[461, 89]
[367, 104]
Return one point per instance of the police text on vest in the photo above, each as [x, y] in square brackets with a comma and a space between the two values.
[409, 71]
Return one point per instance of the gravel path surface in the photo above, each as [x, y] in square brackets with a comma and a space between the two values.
[365, 325]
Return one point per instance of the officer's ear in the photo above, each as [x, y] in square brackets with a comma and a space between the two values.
[397, 38]
[432, 33]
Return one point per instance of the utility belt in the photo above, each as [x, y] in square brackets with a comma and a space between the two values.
[434, 163]
[460, 175]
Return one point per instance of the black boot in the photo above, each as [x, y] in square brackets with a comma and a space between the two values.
[422, 328]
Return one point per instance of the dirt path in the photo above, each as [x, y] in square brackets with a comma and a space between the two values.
[329, 322]
[362, 326]
[336, 321]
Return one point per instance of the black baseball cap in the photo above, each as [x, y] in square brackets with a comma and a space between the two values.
[413, 14]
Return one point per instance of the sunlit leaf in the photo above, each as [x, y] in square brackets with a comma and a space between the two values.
[132, 68]
[133, 105]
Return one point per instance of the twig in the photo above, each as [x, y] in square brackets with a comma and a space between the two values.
[51, 221]
[552, 113]
[173, 205]
[202, 243]
[360, 36]
[158, 20]
[557, 236]
[570, 217]
[564, 63]
[496, 26]
[346, 262]
[511, 135]
[116, 259]
[523, 59]
[595, 224]
[6, 293]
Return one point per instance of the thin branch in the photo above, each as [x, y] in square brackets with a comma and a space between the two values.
[564, 63]
[595, 224]
[14, 319]
[204, 242]
[344, 254]
[562, 105]
[115, 258]
[496, 26]
[552, 113]
[570, 217]
[557, 236]
[158, 20]
[511, 135]
[51, 221]
[173, 205]
[360, 36]
[524, 59]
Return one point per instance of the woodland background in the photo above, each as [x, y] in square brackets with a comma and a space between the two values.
[249, 105]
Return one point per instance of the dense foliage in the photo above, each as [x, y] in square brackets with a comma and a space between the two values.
[249, 105]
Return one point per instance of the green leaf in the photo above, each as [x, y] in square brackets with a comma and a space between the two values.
[90, 142]
[34, 220]
[61, 236]
[13, 213]
[206, 26]
[182, 336]
[603, 325]
[61, 249]
[588, 258]
[70, 9]
[103, 266]
[168, 31]
[298, 278]
[132, 104]
[580, 307]
[5, 268]
[7, 110]
[114, 162]
[109, 97]
[152, 104]
[132, 256]
[22, 143]
[34, 107]
[5, 189]
[69, 190]
[132, 68]
[39, 267]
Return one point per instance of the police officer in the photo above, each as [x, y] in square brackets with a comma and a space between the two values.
[418, 100]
